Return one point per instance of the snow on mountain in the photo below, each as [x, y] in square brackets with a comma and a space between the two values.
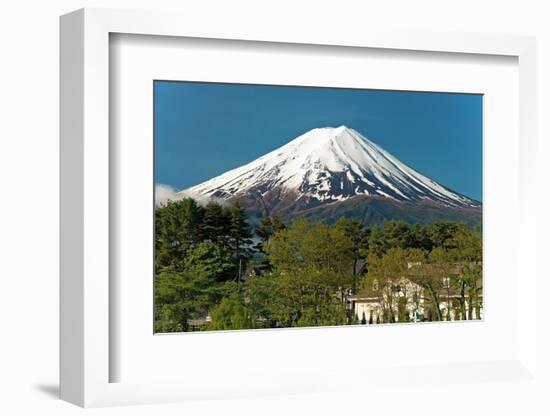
[327, 165]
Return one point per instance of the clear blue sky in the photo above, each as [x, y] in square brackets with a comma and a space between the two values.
[205, 129]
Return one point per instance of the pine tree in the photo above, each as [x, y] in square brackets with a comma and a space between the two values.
[358, 236]
[264, 232]
[176, 231]
[216, 223]
[267, 227]
[239, 238]
[277, 224]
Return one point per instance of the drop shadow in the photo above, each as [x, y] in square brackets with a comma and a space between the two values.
[51, 390]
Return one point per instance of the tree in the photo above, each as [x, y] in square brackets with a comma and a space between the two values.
[442, 233]
[180, 296]
[393, 234]
[277, 224]
[239, 238]
[176, 231]
[239, 232]
[317, 247]
[305, 297]
[216, 223]
[428, 271]
[268, 226]
[311, 275]
[307, 243]
[231, 313]
[261, 293]
[358, 236]
[388, 270]
[402, 312]
[467, 253]
[421, 237]
[211, 260]
[441, 264]
[264, 230]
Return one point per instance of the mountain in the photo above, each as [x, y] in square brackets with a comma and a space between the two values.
[332, 172]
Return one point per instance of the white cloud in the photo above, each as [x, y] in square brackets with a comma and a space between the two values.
[165, 193]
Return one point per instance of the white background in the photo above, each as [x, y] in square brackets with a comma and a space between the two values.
[29, 175]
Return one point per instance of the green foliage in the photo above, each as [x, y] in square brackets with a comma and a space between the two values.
[231, 313]
[305, 297]
[180, 296]
[304, 274]
[195, 259]
[387, 270]
[398, 234]
[216, 223]
[176, 230]
[277, 224]
[239, 234]
[311, 244]
[422, 237]
[268, 226]
[393, 234]
[358, 236]
[212, 260]
[442, 233]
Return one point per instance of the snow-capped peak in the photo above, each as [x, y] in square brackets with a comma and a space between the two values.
[329, 164]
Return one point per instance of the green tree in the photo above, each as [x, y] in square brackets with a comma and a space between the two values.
[467, 254]
[358, 236]
[180, 296]
[232, 313]
[212, 260]
[239, 233]
[239, 238]
[305, 297]
[277, 224]
[261, 294]
[307, 243]
[402, 312]
[428, 271]
[442, 268]
[216, 223]
[388, 270]
[268, 226]
[421, 237]
[317, 247]
[392, 234]
[176, 231]
[442, 233]
[264, 230]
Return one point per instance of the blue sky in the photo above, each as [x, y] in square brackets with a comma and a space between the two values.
[205, 129]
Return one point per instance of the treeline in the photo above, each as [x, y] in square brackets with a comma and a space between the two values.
[212, 271]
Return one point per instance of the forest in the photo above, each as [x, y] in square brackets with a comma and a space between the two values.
[214, 271]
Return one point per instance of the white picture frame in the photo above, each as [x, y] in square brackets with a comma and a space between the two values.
[85, 352]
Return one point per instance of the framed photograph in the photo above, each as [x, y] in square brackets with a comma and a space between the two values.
[252, 215]
[256, 231]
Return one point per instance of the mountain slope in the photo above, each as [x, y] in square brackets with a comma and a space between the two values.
[327, 168]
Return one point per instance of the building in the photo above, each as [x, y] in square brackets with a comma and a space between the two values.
[413, 297]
